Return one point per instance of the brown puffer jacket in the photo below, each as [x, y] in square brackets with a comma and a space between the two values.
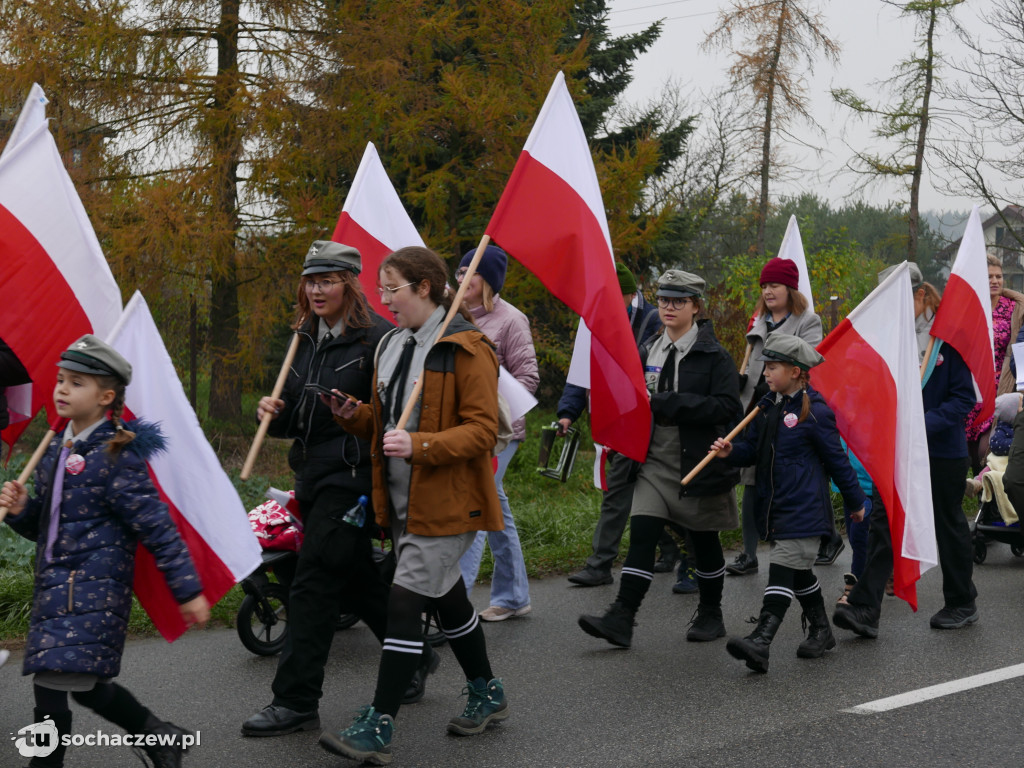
[452, 487]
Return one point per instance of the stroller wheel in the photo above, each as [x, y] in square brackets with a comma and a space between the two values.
[1017, 549]
[980, 551]
[263, 623]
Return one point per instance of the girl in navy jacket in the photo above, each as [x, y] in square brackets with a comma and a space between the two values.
[95, 503]
[795, 445]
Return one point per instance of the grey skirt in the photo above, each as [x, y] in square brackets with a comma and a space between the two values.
[656, 493]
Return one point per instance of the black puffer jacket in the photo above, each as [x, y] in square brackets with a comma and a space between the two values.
[705, 405]
[323, 453]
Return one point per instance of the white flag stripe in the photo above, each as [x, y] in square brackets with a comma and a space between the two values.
[792, 248]
[373, 203]
[188, 471]
[971, 254]
[563, 149]
[51, 210]
[890, 332]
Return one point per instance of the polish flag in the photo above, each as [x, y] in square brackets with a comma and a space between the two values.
[964, 318]
[872, 382]
[374, 221]
[551, 219]
[203, 503]
[56, 283]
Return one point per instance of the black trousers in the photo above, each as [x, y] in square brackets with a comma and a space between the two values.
[335, 570]
[952, 535]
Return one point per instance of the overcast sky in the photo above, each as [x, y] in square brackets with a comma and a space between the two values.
[873, 39]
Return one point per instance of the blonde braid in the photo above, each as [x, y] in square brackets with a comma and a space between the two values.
[805, 408]
[123, 436]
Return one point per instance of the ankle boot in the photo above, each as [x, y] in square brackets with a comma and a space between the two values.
[819, 634]
[615, 626]
[753, 648]
[167, 755]
[62, 723]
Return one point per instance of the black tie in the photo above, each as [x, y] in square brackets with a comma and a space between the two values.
[667, 381]
[396, 388]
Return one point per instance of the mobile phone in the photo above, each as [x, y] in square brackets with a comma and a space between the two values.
[320, 389]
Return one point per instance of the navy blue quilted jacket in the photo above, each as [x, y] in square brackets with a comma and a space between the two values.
[793, 467]
[83, 596]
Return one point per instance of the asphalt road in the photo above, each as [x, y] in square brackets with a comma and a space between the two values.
[576, 701]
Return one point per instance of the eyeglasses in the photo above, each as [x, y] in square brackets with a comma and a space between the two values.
[461, 273]
[325, 286]
[674, 302]
[384, 290]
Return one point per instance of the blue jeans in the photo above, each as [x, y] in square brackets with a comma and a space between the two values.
[509, 585]
[857, 533]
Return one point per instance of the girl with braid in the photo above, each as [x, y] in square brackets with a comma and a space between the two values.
[433, 485]
[94, 504]
[795, 446]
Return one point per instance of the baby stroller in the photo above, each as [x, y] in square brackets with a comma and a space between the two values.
[990, 526]
[262, 622]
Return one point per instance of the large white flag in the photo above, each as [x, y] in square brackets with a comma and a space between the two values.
[204, 504]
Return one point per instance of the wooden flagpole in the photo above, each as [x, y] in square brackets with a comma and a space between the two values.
[456, 302]
[33, 462]
[261, 433]
[714, 451]
[746, 360]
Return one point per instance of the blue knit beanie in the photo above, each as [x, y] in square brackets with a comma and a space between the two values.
[492, 267]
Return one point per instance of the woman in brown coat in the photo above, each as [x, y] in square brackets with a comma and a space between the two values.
[433, 486]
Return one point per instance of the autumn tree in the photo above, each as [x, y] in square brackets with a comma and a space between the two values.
[982, 159]
[906, 121]
[780, 40]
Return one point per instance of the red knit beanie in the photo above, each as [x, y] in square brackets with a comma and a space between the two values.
[781, 271]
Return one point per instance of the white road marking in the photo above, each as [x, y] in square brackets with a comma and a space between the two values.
[937, 691]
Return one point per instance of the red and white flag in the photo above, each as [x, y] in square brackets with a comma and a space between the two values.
[964, 318]
[872, 382]
[551, 219]
[374, 221]
[56, 283]
[202, 501]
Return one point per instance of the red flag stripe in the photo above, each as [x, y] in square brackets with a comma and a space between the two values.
[373, 252]
[864, 424]
[537, 200]
[963, 326]
[151, 587]
[35, 291]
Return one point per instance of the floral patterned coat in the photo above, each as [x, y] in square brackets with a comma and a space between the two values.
[83, 594]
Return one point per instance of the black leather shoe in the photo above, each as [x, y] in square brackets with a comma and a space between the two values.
[828, 553]
[742, 565]
[590, 577]
[859, 619]
[615, 626]
[170, 750]
[418, 685]
[273, 720]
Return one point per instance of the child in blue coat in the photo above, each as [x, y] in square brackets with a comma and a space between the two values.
[95, 503]
[795, 445]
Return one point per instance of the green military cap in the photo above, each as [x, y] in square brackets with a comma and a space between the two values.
[94, 356]
[328, 256]
[916, 278]
[679, 284]
[785, 348]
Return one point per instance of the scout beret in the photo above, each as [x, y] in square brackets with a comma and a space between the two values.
[679, 284]
[94, 356]
[916, 278]
[328, 256]
[785, 348]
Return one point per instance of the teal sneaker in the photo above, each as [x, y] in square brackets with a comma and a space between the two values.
[486, 705]
[367, 739]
